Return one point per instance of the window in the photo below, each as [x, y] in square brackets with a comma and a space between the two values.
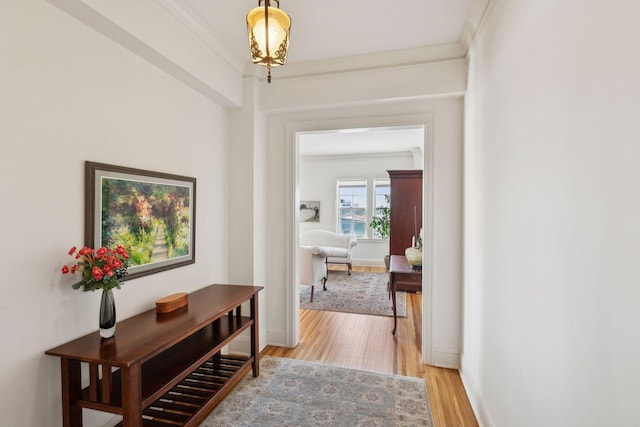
[357, 207]
[382, 192]
[352, 207]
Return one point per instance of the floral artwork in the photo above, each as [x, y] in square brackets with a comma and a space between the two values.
[150, 214]
[152, 220]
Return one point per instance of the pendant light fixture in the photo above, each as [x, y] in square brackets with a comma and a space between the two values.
[268, 29]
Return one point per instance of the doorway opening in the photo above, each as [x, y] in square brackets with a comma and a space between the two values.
[323, 155]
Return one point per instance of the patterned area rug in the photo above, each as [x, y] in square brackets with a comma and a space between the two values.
[297, 393]
[362, 292]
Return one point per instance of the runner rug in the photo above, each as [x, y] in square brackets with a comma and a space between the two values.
[362, 292]
[292, 392]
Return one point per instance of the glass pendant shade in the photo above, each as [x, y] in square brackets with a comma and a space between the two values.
[268, 30]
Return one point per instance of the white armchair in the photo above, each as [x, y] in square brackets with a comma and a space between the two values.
[312, 267]
[338, 246]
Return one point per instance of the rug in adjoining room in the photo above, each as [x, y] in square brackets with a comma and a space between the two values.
[292, 392]
[362, 292]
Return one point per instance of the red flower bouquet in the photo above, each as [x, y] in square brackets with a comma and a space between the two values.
[101, 269]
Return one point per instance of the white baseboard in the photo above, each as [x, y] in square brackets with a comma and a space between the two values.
[445, 358]
[277, 338]
[368, 262]
[241, 346]
[113, 422]
[477, 404]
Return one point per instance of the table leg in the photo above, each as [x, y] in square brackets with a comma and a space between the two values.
[392, 284]
[71, 387]
[255, 347]
[131, 396]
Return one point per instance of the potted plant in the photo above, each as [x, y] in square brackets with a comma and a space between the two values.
[381, 224]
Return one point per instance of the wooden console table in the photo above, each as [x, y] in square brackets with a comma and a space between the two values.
[401, 272]
[162, 369]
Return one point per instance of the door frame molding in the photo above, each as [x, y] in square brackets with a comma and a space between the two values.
[294, 128]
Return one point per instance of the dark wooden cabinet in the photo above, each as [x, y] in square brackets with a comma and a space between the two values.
[162, 369]
[406, 216]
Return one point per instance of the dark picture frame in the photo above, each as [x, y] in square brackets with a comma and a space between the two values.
[151, 214]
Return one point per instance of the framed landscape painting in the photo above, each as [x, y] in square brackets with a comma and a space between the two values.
[151, 214]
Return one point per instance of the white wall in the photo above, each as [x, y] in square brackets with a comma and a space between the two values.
[318, 178]
[552, 208]
[246, 195]
[70, 95]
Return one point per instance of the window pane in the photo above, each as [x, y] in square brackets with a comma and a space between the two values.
[360, 214]
[352, 204]
[345, 228]
[382, 190]
[360, 201]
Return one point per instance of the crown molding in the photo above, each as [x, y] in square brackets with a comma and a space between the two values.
[161, 33]
[477, 13]
[365, 87]
[369, 62]
[187, 17]
[353, 156]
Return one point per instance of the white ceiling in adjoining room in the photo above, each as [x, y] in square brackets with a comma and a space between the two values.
[362, 141]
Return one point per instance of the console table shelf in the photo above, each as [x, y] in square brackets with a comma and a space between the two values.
[162, 369]
[202, 387]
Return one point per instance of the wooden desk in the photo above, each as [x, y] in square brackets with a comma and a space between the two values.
[399, 271]
[162, 369]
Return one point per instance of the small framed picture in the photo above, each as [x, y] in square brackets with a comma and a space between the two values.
[310, 211]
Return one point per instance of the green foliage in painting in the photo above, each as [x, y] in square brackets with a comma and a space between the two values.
[152, 220]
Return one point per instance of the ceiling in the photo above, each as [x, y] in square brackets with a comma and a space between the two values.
[331, 29]
[362, 141]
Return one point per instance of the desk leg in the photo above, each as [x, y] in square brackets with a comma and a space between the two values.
[255, 347]
[131, 396]
[392, 284]
[71, 387]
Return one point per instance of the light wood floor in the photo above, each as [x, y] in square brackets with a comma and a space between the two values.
[365, 342]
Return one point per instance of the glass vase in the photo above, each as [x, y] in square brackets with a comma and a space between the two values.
[107, 314]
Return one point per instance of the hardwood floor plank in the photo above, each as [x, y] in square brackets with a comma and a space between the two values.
[365, 342]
